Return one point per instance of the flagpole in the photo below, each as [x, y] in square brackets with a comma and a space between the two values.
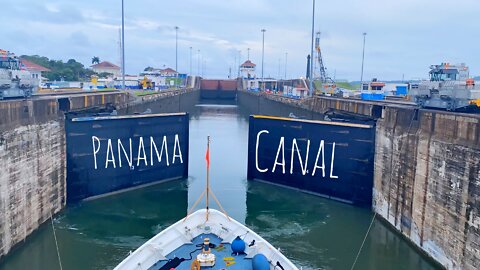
[207, 192]
[208, 172]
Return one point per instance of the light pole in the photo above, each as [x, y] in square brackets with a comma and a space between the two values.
[279, 68]
[176, 57]
[123, 48]
[263, 53]
[191, 61]
[248, 53]
[311, 51]
[198, 62]
[363, 59]
[176, 48]
[286, 57]
[239, 62]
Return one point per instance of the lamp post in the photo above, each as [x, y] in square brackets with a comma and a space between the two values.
[191, 61]
[123, 48]
[248, 53]
[239, 62]
[198, 62]
[176, 48]
[363, 59]
[311, 51]
[176, 57]
[286, 57]
[263, 53]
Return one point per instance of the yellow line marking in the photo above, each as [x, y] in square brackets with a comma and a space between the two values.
[311, 121]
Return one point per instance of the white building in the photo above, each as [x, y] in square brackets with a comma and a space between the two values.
[108, 67]
[247, 70]
[34, 69]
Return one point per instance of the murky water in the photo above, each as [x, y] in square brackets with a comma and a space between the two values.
[315, 233]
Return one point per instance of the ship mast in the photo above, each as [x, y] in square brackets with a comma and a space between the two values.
[207, 158]
[207, 192]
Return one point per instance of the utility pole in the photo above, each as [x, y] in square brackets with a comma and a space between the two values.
[363, 58]
[263, 54]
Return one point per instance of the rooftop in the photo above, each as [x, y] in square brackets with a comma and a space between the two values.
[248, 63]
[105, 64]
[28, 65]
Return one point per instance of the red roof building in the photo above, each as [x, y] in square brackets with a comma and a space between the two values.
[247, 70]
[32, 67]
[105, 64]
[248, 64]
[106, 67]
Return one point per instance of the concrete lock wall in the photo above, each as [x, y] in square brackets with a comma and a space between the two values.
[32, 154]
[427, 182]
[426, 173]
[259, 103]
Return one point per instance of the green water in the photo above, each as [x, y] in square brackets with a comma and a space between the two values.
[315, 233]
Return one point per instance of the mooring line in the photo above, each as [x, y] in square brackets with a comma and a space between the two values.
[391, 176]
[364, 239]
[56, 242]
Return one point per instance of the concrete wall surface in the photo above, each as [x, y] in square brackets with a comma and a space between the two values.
[32, 154]
[427, 182]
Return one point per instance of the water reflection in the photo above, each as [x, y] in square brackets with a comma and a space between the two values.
[228, 153]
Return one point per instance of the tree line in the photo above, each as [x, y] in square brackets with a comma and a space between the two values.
[68, 71]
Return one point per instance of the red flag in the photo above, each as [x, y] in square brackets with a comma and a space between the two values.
[207, 157]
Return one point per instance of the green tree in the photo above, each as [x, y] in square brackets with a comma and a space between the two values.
[95, 60]
[104, 75]
[69, 71]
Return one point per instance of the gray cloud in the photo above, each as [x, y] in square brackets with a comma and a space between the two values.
[404, 37]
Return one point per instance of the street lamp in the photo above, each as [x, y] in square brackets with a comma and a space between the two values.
[263, 53]
[363, 59]
[286, 57]
[311, 51]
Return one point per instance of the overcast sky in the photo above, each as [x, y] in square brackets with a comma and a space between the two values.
[403, 36]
